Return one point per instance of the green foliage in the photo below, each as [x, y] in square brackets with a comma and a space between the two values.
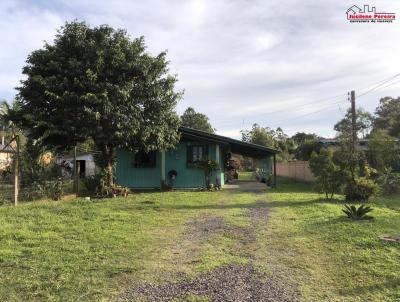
[195, 120]
[361, 189]
[271, 138]
[364, 121]
[98, 83]
[57, 190]
[92, 182]
[305, 145]
[383, 152]
[388, 116]
[305, 148]
[389, 181]
[259, 135]
[328, 175]
[46, 189]
[355, 213]
[208, 166]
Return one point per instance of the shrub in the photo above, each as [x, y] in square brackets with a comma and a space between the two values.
[355, 213]
[208, 166]
[328, 176]
[92, 182]
[389, 181]
[361, 189]
[57, 190]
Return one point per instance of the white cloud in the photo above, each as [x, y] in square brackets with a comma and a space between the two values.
[239, 62]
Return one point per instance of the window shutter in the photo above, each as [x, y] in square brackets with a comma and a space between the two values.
[189, 154]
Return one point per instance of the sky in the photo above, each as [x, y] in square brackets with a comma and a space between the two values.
[276, 63]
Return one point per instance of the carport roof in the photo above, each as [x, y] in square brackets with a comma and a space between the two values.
[236, 146]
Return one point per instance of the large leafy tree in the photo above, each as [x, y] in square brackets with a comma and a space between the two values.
[98, 83]
[363, 123]
[306, 144]
[196, 120]
[268, 137]
[387, 116]
[382, 150]
[260, 136]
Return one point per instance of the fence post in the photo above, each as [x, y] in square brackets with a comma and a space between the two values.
[76, 179]
[16, 172]
[274, 170]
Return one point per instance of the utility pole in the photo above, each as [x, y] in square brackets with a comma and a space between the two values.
[16, 172]
[76, 179]
[353, 119]
[354, 132]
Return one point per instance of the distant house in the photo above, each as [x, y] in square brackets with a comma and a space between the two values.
[85, 163]
[6, 155]
[178, 166]
[334, 144]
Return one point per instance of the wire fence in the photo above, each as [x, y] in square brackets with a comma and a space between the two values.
[48, 177]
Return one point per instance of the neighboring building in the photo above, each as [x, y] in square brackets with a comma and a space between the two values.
[6, 155]
[334, 144]
[85, 163]
[141, 170]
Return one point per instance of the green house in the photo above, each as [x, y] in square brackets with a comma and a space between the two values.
[177, 167]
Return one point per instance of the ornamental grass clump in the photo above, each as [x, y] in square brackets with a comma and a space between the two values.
[357, 213]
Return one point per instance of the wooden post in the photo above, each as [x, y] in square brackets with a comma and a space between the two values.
[76, 179]
[16, 172]
[274, 170]
[354, 132]
[162, 166]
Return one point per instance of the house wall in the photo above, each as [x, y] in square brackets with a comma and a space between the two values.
[90, 166]
[175, 159]
[129, 176]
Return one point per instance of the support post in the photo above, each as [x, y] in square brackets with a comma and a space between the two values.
[354, 130]
[76, 179]
[274, 170]
[162, 166]
[16, 172]
[354, 120]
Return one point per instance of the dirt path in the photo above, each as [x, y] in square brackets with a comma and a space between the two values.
[231, 282]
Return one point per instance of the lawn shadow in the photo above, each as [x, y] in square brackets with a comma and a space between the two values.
[214, 206]
[391, 283]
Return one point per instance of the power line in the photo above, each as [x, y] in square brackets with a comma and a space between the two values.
[307, 114]
[376, 86]
[379, 85]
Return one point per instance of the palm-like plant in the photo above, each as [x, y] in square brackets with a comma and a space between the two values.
[357, 213]
[208, 166]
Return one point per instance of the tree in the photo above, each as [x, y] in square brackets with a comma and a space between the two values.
[306, 148]
[306, 144]
[327, 174]
[259, 135]
[195, 120]
[301, 137]
[98, 83]
[364, 121]
[382, 150]
[271, 138]
[387, 116]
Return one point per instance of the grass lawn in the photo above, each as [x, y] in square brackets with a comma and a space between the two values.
[245, 175]
[85, 250]
[332, 258]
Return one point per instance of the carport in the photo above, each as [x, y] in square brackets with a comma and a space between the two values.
[265, 155]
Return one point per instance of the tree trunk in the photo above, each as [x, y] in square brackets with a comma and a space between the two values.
[108, 158]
